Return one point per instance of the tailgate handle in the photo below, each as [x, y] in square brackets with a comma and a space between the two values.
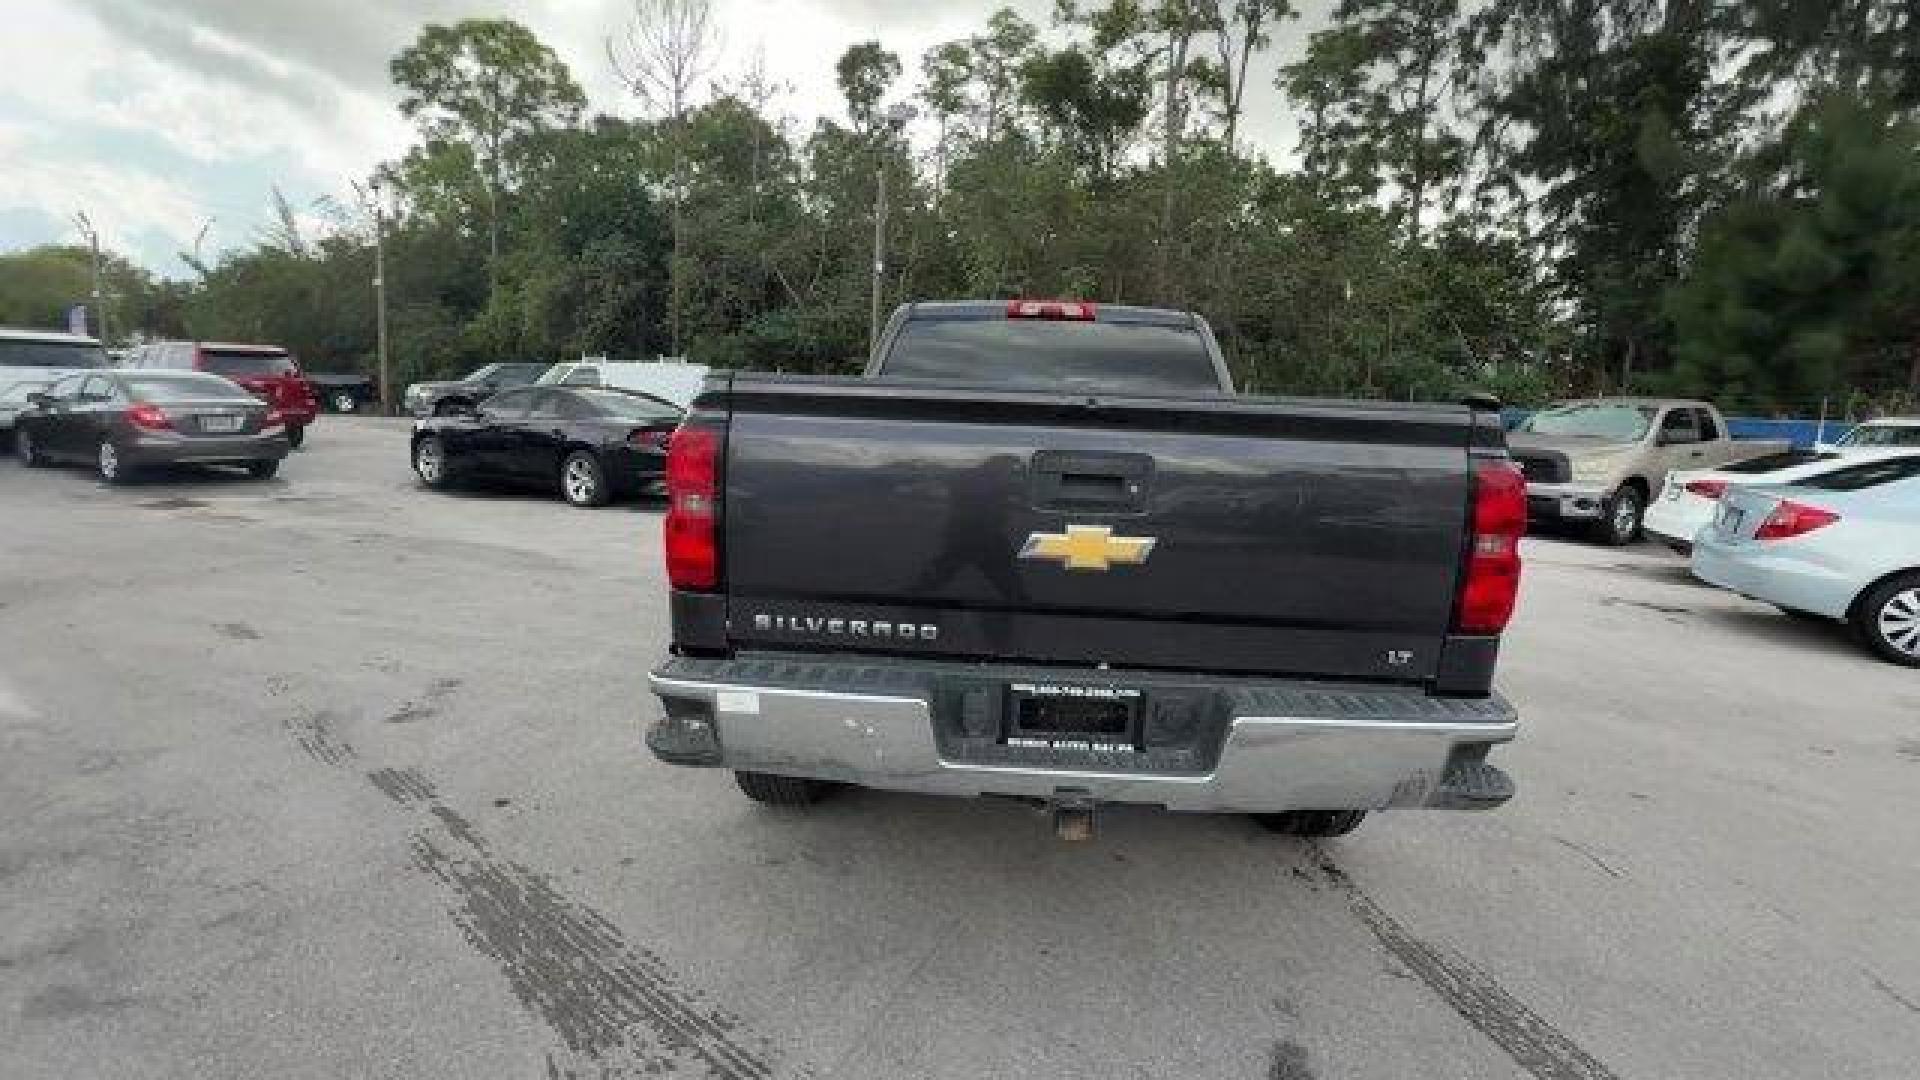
[1114, 483]
[1080, 485]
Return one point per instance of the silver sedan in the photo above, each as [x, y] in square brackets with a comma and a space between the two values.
[1843, 545]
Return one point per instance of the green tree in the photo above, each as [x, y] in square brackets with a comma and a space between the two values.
[1626, 136]
[1379, 85]
[1807, 291]
[487, 84]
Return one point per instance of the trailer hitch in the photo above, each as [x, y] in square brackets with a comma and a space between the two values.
[1072, 817]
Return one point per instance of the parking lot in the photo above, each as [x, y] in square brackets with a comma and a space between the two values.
[330, 776]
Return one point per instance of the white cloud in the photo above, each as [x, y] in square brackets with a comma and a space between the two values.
[122, 202]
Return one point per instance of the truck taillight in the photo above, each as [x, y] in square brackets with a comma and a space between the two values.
[693, 489]
[1059, 310]
[1790, 519]
[1491, 581]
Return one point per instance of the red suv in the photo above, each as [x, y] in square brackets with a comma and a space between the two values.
[267, 371]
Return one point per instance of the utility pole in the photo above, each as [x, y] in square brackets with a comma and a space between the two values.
[93, 241]
[879, 256]
[371, 198]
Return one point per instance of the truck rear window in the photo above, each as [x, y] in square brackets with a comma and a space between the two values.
[234, 362]
[1116, 357]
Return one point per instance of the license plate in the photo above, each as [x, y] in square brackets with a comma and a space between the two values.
[1073, 716]
[1730, 519]
[220, 423]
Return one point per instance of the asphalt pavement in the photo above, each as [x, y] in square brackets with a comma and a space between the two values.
[330, 776]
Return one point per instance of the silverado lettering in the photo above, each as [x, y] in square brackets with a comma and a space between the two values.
[816, 624]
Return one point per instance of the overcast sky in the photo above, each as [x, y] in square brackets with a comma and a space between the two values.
[158, 116]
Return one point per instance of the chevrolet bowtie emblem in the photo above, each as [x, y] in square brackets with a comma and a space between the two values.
[1088, 547]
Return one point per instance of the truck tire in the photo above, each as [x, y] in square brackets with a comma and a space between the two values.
[1313, 822]
[780, 790]
[1621, 517]
[1887, 618]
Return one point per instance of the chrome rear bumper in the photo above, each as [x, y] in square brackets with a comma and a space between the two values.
[1287, 745]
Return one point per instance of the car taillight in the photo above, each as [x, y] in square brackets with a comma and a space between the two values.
[148, 417]
[1790, 519]
[1707, 489]
[1062, 310]
[1491, 582]
[693, 488]
[650, 438]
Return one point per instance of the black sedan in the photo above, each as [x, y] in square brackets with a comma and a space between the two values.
[121, 421]
[591, 445]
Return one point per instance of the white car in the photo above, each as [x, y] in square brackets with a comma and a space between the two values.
[679, 383]
[1886, 431]
[1686, 503]
[1843, 545]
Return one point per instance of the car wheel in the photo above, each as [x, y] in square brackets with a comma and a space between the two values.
[296, 434]
[1620, 523]
[1888, 618]
[263, 469]
[781, 790]
[109, 465]
[582, 481]
[345, 402]
[430, 462]
[1312, 822]
[26, 449]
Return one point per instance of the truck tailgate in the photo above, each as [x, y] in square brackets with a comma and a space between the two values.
[1270, 537]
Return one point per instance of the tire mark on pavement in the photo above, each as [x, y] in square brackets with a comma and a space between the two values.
[570, 966]
[1528, 1038]
[429, 704]
[1289, 1062]
[617, 1010]
[313, 732]
[1591, 857]
[402, 785]
[1881, 985]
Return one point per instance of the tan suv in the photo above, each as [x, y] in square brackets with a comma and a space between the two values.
[1598, 461]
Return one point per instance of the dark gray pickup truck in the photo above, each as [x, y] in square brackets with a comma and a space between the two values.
[1043, 551]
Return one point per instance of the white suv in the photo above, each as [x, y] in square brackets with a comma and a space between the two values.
[30, 359]
[1884, 432]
